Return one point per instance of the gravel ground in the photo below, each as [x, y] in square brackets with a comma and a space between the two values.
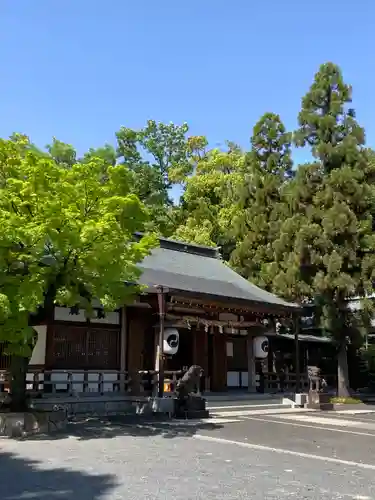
[125, 462]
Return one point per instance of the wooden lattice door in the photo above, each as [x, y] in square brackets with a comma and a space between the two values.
[82, 348]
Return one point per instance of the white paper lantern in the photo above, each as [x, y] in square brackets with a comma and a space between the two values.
[171, 341]
[260, 346]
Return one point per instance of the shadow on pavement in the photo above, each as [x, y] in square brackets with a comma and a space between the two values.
[112, 427]
[368, 401]
[24, 479]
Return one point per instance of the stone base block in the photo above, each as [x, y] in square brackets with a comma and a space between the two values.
[155, 405]
[94, 406]
[191, 414]
[163, 405]
[18, 425]
[143, 408]
[192, 407]
[319, 401]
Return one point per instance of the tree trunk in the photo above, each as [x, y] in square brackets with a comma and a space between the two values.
[18, 371]
[342, 372]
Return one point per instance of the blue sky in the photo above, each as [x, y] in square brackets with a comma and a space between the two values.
[79, 69]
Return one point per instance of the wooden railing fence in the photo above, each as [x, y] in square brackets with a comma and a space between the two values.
[74, 382]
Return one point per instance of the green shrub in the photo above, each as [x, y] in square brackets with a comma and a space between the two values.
[345, 401]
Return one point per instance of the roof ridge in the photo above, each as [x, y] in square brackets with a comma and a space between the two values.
[183, 246]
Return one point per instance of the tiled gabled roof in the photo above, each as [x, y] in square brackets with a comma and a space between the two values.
[199, 270]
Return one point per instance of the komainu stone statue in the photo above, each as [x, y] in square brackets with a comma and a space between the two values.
[189, 404]
[190, 381]
[317, 397]
[313, 373]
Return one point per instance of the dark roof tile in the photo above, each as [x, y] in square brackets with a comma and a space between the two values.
[197, 269]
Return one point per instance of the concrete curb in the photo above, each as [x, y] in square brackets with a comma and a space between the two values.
[250, 396]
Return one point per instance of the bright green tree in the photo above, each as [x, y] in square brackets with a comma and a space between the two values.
[106, 153]
[325, 251]
[208, 202]
[168, 146]
[62, 153]
[260, 209]
[66, 237]
[158, 157]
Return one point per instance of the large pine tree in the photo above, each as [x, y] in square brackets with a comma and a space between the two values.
[268, 167]
[325, 251]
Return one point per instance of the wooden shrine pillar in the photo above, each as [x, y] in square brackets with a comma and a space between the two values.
[219, 363]
[123, 347]
[136, 339]
[251, 364]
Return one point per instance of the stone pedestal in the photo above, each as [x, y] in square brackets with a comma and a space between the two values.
[319, 401]
[317, 398]
[162, 405]
[192, 407]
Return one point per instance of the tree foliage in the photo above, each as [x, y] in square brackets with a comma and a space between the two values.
[325, 248]
[157, 156]
[260, 205]
[63, 154]
[209, 199]
[66, 236]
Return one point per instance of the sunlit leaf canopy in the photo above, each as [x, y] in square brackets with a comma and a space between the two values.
[66, 234]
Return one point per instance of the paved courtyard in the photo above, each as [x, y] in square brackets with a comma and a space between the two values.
[254, 454]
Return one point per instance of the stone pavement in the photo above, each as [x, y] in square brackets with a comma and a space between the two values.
[240, 411]
[302, 455]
